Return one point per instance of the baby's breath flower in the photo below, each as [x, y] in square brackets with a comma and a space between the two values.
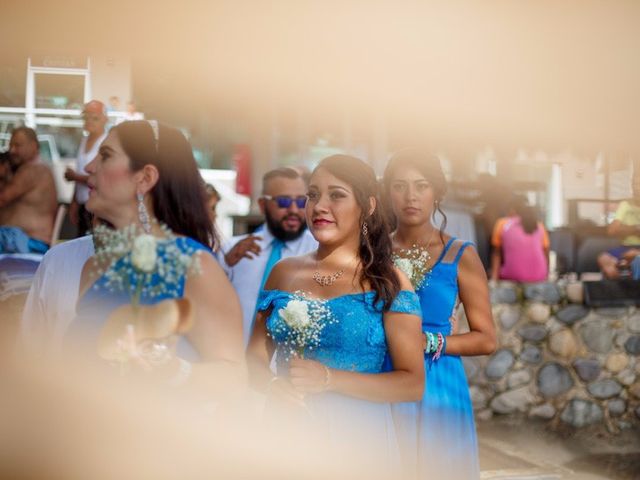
[303, 320]
[144, 254]
[414, 263]
[142, 265]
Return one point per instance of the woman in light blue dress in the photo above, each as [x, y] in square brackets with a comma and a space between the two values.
[438, 433]
[359, 307]
[145, 177]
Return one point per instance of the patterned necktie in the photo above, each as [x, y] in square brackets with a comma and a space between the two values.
[274, 256]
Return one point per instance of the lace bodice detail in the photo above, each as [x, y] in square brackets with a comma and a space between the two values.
[353, 339]
[173, 286]
[95, 306]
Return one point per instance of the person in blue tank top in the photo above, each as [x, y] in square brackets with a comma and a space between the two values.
[356, 307]
[438, 433]
[145, 177]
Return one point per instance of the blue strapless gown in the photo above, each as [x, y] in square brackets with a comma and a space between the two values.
[355, 341]
[438, 434]
[99, 301]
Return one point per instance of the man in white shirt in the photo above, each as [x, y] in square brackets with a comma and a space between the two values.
[51, 303]
[249, 258]
[95, 121]
[132, 113]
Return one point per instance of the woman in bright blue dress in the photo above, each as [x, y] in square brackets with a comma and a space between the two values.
[361, 308]
[145, 178]
[101, 299]
[438, 433]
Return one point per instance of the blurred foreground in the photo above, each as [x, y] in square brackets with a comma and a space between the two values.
[68, 422]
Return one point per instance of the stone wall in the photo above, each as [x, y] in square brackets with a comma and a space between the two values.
[559, 360]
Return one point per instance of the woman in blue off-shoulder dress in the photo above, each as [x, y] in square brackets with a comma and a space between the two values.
[331, 316]
[438, 434]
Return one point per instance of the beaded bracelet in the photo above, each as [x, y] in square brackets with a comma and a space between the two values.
[442, 346]
[431, 342]
[435, 344]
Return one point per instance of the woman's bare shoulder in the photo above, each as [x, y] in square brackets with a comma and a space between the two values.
[286, 268]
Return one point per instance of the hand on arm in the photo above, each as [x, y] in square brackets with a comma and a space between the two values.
[245, 248]
[72, 176]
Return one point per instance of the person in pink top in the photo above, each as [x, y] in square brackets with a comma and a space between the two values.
[520, 246]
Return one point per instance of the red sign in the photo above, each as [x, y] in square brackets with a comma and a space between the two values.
[242, 165]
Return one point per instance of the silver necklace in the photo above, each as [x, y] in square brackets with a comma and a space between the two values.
[326, 280]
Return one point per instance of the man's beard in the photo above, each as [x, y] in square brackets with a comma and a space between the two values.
[15, 163]
[280, 233]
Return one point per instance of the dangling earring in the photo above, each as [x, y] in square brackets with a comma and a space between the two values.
[365, 229]
[143, 214]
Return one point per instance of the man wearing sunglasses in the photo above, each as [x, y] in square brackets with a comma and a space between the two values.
[284, 234]
[94, 114]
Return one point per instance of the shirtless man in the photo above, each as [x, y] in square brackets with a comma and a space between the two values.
[6, 170]
[28, 202]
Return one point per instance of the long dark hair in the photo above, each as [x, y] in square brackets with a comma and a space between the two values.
[429, 166]
[375, 247]
[528, 215]
[179, 195]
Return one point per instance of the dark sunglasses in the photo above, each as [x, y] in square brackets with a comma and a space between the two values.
[285, 202]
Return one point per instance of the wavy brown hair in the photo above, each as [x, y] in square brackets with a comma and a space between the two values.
[375, 247]
[179, 195]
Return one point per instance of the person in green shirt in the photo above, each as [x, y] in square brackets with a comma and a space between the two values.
[616, 261]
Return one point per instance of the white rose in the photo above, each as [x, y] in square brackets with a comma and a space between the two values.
[144, 254]
[405, 265]
[295, 314]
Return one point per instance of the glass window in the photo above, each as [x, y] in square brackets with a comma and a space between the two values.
[59, 91]
[14, 79]
[45, 150]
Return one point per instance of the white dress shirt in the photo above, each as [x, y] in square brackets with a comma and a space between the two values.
[51, 303]
[246, 275]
